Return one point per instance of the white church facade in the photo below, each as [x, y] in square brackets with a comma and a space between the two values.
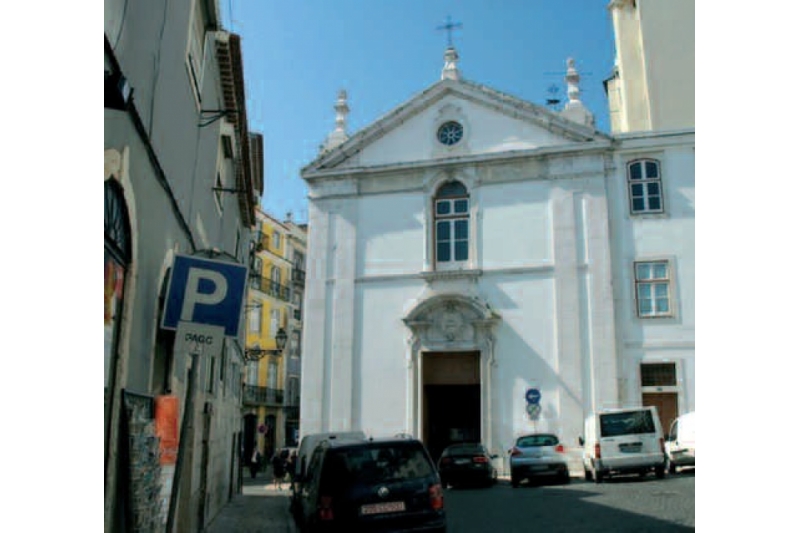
[469, 249]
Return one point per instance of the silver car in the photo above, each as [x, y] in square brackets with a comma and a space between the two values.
[538, 455]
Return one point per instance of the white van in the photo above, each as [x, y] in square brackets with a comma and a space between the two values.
[680, 442]
[623, 441]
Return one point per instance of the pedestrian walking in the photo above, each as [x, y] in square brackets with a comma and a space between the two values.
[255, 462]
[292, 465]
[278, 470]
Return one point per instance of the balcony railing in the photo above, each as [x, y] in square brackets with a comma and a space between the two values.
[272, 288]
[292, 413]
[298, 275]
[262, 395]
[297, 314]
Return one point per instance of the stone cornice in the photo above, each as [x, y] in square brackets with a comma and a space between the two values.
[473, 159]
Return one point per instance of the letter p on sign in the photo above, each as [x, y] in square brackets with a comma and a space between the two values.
[205, 292]
[193, 296]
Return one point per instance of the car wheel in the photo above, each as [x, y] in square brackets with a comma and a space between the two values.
[587, 475]
[565, 479]
[660, 471]
[514, 480]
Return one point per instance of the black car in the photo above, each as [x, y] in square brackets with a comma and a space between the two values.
[467, 463]
[378, 485]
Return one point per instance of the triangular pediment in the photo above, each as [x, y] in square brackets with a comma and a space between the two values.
[491, 122]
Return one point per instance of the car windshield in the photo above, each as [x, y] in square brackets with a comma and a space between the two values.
[537, 440]
[631, 422]
[375, 462]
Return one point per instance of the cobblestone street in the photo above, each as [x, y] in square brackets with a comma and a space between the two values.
[260, 508]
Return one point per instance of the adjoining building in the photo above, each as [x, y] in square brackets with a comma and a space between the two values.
[480, 266]
[182, 176]
[271, 399]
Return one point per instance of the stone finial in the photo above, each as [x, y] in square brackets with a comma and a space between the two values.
[339, 134]
[450, 70]
[574, 109]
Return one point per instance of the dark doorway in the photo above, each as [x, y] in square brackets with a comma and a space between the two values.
[249, 437]
[451, 407]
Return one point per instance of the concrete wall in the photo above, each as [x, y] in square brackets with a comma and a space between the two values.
[655, 57]
[149, 42]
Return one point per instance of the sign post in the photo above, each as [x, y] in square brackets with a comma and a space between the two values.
[204, 304]
[532, 397]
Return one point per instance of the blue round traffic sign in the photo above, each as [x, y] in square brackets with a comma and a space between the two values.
[533, 396]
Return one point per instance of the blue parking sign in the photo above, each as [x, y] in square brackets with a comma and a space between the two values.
[205, 291]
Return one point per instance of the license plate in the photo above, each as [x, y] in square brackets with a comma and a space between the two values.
[630, 448]
[462, 461]
[384, 507]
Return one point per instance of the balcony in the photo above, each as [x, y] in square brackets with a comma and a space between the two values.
[269, 287]
[298, 276]
[255, 395]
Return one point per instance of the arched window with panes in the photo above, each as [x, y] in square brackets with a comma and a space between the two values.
[644, 187]
[451, 225]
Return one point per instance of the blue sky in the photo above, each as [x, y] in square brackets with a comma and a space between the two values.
[298, 54]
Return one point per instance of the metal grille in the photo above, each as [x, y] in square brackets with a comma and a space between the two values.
[658, 375]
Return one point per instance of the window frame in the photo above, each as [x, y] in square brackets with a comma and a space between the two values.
[196, 48]
[274, 322]
[452, 217]
[254, 324]
[276, 239]
[652, 282]
[644, 181]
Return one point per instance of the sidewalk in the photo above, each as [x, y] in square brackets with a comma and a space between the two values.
[260, 508]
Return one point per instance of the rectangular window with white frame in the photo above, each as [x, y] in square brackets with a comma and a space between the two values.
[274, 322]
[252, 373]
[653, 288]
[254, 318]
[195, 53]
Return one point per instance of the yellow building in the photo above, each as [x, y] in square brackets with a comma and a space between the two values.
[267, 314]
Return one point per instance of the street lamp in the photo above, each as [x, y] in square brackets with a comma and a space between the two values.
[280, 339]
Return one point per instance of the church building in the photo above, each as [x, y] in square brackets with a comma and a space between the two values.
[481, 266]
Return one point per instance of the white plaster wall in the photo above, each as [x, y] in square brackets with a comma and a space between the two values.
[667, 30]
[655, 56]
[381, 376]
[515, 228]
[390, 236]
[660, 236]
[486, 131]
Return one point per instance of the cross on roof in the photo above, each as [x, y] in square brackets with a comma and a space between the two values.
[449, 27]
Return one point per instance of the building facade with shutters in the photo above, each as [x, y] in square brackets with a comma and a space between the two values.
[480, 266]
[268, 312]
[182, 176]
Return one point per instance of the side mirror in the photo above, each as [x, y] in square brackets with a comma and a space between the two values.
[581, 441]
